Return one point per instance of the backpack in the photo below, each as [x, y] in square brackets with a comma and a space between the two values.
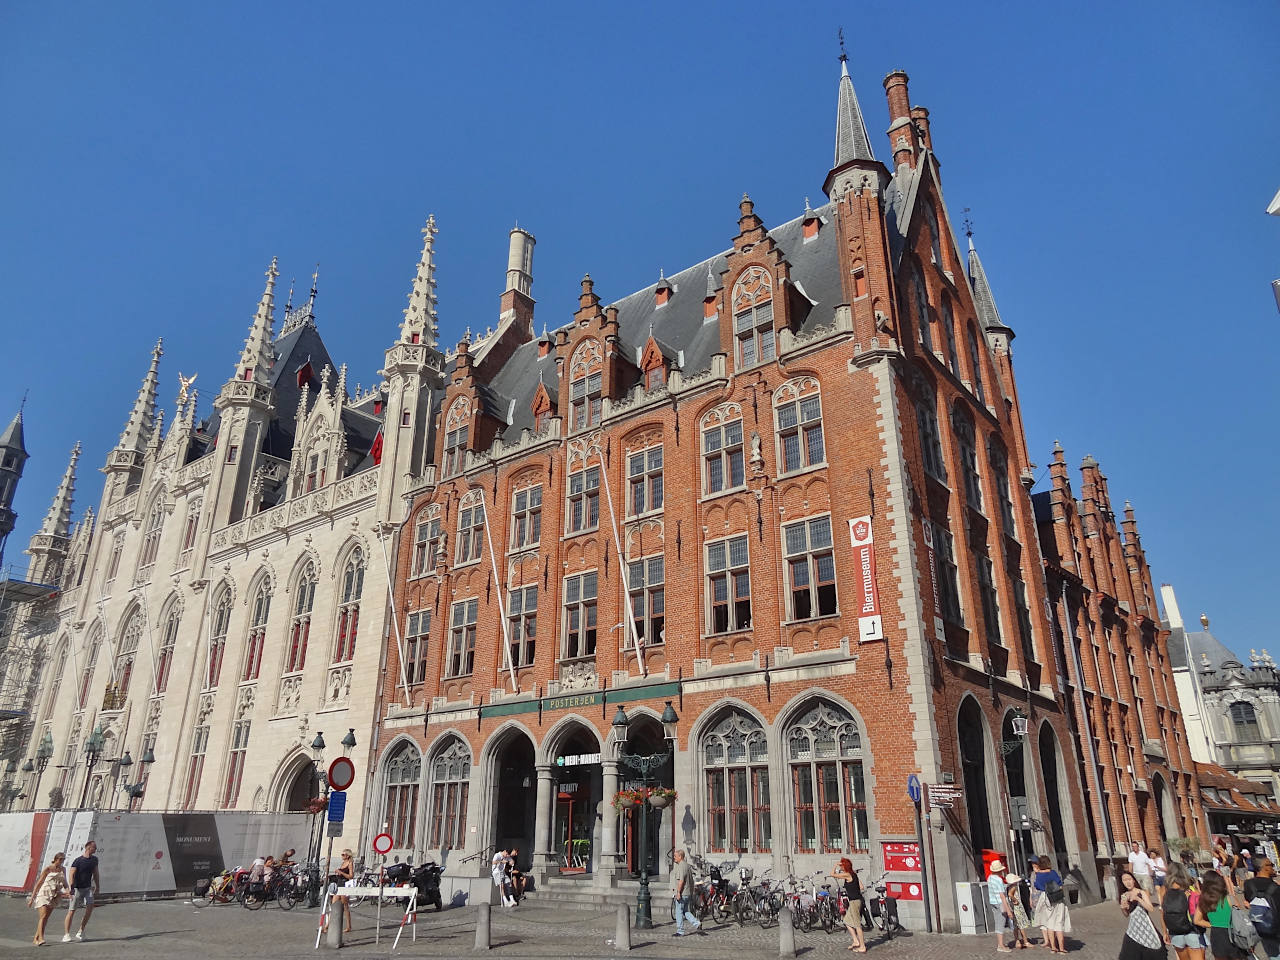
[1242, 933]
[1054, 893]
[1177, 913]
[1262, 913]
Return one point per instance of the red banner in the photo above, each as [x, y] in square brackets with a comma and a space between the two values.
[870, 624]
[902, 857]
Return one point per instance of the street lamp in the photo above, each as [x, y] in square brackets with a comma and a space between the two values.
[10, 771]
[313, 846]
[134, 791]
[44, 753]
[1019, 721]
[349, 741]
[644, 765]
[92, 751]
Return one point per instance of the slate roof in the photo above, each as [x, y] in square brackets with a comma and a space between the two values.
[679, 324]
[1199, 641]
[13, 436]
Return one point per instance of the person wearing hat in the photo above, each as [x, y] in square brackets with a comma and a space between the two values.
[1001, 912]
[1015, 891]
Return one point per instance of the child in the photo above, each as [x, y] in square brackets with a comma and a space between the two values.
[1017, 901]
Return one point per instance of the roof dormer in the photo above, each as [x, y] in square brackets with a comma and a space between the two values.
[664, 291]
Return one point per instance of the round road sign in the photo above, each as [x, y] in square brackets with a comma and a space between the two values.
[342, 773]
[382, 843]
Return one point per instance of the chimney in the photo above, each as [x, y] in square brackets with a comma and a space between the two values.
[1171, 611]
[901, 134]
[520, 261]
[920, 115]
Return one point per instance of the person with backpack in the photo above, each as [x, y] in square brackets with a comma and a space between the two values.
[1262, 894]
[1180, 932]
[1213, 914]
[1051, 906]
[1141, 939]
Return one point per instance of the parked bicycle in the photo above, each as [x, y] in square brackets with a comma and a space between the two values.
[882, 910]
[226, 887]
[282, 888]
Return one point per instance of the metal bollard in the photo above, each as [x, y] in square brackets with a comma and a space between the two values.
[622, 934]
[337, 920]
[482, 927]
[786, 934]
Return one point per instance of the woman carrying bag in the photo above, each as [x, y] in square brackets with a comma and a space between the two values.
[1141, 939]
[1180, 932]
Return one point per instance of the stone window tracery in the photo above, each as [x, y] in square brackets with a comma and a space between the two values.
[753, 317]
[735, 756]
[471, 533]
[404, 772]
[349, 607]
[798, 411]
[122, 672]
[168, 643]
[828, 789]
[450, 783]
[218, 636]
[151, 536]
[257, 632]
[304, 599]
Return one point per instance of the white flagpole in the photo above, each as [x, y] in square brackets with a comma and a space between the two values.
[395, 617]
[502, 610]
[622, 567]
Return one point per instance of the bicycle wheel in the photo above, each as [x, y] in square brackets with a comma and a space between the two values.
[254, 901]
[721, 910]
[827, 915]
[287, 896]
[806, 918]
[745, 910]
[888, 925]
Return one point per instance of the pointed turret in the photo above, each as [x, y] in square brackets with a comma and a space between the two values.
[855, 165]
[983, 300]
[57, 522]
[137, 431]
[421, 325]
[13, 456]
[258, 355]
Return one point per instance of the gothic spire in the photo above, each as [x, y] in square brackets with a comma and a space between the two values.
[257, 357]
[420, 322]
[57, 522]
[852, 142]
[985, 303]
[12, 438]
[142, 418]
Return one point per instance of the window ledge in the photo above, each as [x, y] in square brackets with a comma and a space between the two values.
[740, 488]
[799, 623]
[801, 471]
[467, 563]
[647, 515]
[425, 575]
[727, 634]
[589, 658]
[457, 676]
[581, 533]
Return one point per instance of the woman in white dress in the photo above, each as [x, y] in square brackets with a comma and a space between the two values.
[49, 888]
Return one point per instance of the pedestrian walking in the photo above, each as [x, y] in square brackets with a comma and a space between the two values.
[1141, 939]
[49, 888]
[1001, 913]
[1050, 905]
[83, 880]
[681, 891]
[845, 873]
[1015, 892]
[1159, 871]
[1213, 914]
[1140, 865]
[1180, 932]
[498, 870]
[1262, 895]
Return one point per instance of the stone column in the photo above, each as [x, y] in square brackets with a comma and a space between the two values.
[543, 854]
[609, 831]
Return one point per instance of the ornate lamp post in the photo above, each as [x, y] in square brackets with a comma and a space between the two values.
[1019, 720]
[349, 741]
[92, 751]
[9, 790]
[28, 769]
[313, 847]
[134, 791]
[644, 765]
[44, 753]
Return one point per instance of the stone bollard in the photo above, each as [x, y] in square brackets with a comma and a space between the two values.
[337, 920]
[786, 934]
[482, 927]
[622, 935]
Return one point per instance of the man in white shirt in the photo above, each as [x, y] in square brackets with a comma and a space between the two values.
[1140, 864]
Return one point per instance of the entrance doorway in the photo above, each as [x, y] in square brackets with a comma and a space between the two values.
[305, 785]
[1019, 797]
[578, 793]
[973, 759]
[516, 782]
[646, 737]
[1049, 770]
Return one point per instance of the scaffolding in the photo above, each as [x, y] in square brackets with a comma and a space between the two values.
[28, 621]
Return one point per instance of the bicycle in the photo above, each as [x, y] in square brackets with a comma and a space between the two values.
[224, 888]
[282, 888]
[768, 903]
[883, 910]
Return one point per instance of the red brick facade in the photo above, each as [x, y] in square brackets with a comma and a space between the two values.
[867, 306]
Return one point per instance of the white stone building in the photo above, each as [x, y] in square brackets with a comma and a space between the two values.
[228, 601]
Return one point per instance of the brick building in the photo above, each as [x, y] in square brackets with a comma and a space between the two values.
[1132, 746]
[800, 465]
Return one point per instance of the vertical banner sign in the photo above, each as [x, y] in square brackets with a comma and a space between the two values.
[932, 550]
[870, 624]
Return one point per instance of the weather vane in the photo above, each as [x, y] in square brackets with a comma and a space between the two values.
[968, 223]
[843, 55]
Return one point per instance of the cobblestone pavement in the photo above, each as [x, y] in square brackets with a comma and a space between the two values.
[172, 928]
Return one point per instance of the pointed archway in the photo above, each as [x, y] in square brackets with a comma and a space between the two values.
[973, 760]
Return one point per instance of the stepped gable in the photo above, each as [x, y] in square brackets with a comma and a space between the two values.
[679, 324]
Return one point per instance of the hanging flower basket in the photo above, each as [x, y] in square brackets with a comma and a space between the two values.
[625, 799]
[317, 805]
[660, 797]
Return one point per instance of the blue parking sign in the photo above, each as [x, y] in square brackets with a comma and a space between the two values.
[337, 806]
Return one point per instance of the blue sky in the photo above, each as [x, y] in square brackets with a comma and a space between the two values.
[1117, 159]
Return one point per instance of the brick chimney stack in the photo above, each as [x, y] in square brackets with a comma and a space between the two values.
[920, 116]
[901, 133]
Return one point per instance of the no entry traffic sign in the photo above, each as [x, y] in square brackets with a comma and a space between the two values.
[342, 773]
[382, 843]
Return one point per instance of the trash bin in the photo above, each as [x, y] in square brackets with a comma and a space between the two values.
[971, 907]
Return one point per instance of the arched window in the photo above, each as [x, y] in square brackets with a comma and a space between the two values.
[824, 749]
[723, 465]
[257, 631]
[922, 312]
[192, 527]
[470, 528]
[585, 386]
[1245, 722]
[404, 770]
[151, 536]
[798, 409]
[930, 439]
[975, 361]
[967, 451]
[753, 317]
[457, 424]
[122, 672]
[168, 642]
[57, 667]
[218, 636]
[450, 779]
[304, 599]
[949, 332]
[736, 763]
[91, 661]
[349, 607]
